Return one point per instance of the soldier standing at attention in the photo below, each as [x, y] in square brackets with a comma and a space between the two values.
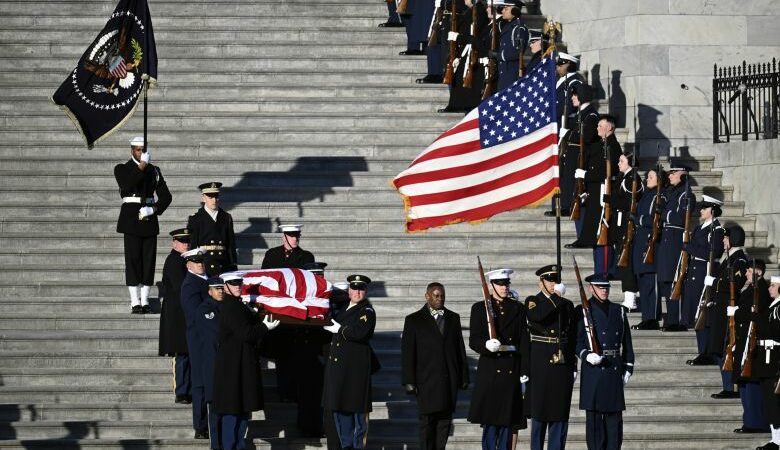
[766, 362]
[604, 374]
[553, 366]
[534, 48]
[512, 41]
[138, 182]
[211, 229]
[173, 327]
[289, 254]
[618, 225]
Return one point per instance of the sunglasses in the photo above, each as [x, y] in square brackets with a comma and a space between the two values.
[212, 195]
[357, 287]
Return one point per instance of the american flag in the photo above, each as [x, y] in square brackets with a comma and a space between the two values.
[291, 292]
[503, 155]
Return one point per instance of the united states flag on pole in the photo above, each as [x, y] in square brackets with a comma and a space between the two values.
[503, 155]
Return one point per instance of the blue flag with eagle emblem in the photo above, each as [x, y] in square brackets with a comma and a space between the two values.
[102, 92]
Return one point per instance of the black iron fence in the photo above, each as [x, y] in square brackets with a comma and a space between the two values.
[745, 101]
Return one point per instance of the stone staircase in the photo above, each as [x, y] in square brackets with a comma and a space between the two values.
[305, 111]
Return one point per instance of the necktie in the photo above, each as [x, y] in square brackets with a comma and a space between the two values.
[440, 322]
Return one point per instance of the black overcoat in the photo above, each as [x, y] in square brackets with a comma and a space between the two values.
[595, 177]
[205, 231]
[194, 291]
[434, 362]
[238, 386]
[173, 327]
[348, 369]
[716, 315]
[644, 227]
[766, 363]
[134, 182]
[743, 318]
[673, 217]
[497, 398]
[207, 317]
[275, 259]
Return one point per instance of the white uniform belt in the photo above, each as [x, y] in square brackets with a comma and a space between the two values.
[610, 352]
[666, 225]
[212, 248]
[548, 340]
[147, 201]
[507, 348]
[768, 343]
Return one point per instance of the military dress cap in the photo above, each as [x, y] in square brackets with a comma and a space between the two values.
[707, 201]
[499, 276]
[210, 188]
[599, 279]
[137, 141]
[194, 255]
[534, 35]
[290, 229]
[232, 278]
[774, 280]
[736, 235]
[516, 3]
[678, 166]
[341, 285]
[565, 57]
[760, 265]
[583, 91]
[550, 272]
[315, 267]
[608, 117]
[180, 234]
[358, 281]
[215, 282]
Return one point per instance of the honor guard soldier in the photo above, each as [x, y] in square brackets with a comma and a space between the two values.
[212, 230]
[434, 366]
[680, 199]
[349, 366]
[194, 291]
[717, 320]
[417, 20]
[553, 365]
[207, 327]
[604, 374]
[766, 363]
[652, 200]
[535, 48]
[139, 180]
[568, 78]
[497, 400]
[512, 42]
[393, 19]
[238, 384]
[747, 320]
[289, 254]
[618, 225]
[173, 327]
[706, 239]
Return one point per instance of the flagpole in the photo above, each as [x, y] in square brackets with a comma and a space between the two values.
[557, 202]
[145, 79]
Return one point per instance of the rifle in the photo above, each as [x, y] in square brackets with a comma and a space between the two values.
[449, 72]
[628, 239]
[433, 31]
[488, 302]
[522, 60]
[402, 6]
[603, 235]
[468, 71]
[682, 264]
[655, 235]
[575, 204]
[492, 69]
[587, 317]
[706, 293]
[751, 343]
[728, 360]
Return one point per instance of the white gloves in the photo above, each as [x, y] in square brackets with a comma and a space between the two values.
[709, 281]
[333, 328]
[146, 157]
[730, 310]
[145, 211]
[579, 173]
[452, 36]
[270, 324]
[562, 132]
[594, 359]
[560, 288]
[484, 61]
[626, 377]
[524, 379]
[492, 345]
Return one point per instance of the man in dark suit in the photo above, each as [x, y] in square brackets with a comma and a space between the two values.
[138, 182]
[434, 366]
[211, 229]
[173, 327]
[289, 254]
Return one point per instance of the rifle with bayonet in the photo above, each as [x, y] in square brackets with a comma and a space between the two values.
[488, 302]
[491, 77]
[580, 190]
[603, 234]
[752, 339]
[682, 264]
[473, 59]
[728, 360]
[433, 31]
[706, 293]
[655, 234]
[590, 331]
[628, 240]
[449, 71]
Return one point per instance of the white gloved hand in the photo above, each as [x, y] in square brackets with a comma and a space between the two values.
[709, 281]
[626, 377]
[562, 132]
[484, 61]
[270, 324]
[575, 377]
[524, 379]
[594, 359]
[145, 211]
[579, 173]
[146, 157]
[452, 36]
[730, 310]
[492, 345]
[560, 288]
[334, 328]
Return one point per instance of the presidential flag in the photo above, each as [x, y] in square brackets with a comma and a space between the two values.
[102, 92]
[503, 155]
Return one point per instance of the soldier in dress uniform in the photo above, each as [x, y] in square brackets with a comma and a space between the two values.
[194, 291]
[512, 42]
[618, 224]
[753, 420]
[238, 385]
[568, 78]
[534, 48]
[207, 328]
[139, 180]
[604, 374]
[173, 327]
[706, 237]
[497, 400]
[289, 254]
[766, 363]
[393, 19]
[553, 365]
[417, 20]
[434, 366]
[679, 196]
[717, 320]
[211, 229]
[349, 366]
[646, 273]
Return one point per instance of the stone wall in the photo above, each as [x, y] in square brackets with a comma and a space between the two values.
[642, 51]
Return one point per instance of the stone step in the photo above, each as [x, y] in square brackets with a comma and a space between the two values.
[95, 22]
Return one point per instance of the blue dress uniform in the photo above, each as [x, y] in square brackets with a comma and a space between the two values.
[207, 328]
[766, 365]
[214, 236]
[513, 38]
[463, 99]
[646, 273]
[668, 254]
[601, 386]
[193, 293]
[417, 20]
[569, 159]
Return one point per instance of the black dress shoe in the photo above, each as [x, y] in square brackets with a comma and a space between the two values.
[202, 434]
[390, 25]
[146, 309]
[550, 214]
[576, 244]
[769, 446]
[183, 399]
[411, 52]
[652, 325]
[749, 430]
[676, 328]
[702, 360]
[136, 310]
[725, 394]
[640, 326]
[450, 110]
[432, 79]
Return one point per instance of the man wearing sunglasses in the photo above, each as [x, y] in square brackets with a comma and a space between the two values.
[211, 230]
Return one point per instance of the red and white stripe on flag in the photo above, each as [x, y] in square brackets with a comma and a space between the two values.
[503, 155]
[292, 292]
